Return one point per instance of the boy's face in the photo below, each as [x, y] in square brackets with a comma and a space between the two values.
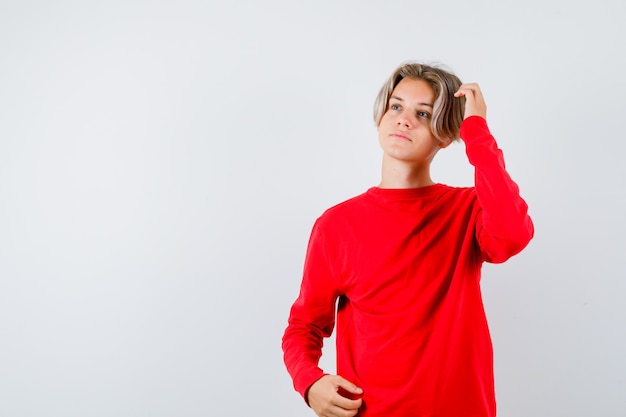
[404, 130]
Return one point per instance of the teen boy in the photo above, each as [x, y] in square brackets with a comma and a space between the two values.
[399, 266]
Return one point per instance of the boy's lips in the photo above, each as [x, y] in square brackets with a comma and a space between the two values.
[401, 135]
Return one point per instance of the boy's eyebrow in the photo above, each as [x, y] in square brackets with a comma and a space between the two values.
[421, 104]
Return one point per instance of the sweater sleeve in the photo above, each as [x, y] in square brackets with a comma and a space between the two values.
[503, 226]
[312, 316]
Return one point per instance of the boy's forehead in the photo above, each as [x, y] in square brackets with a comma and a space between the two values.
[414, 91]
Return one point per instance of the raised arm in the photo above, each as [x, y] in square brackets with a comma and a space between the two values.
[503, 227]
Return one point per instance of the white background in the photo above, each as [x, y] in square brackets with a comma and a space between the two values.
[162, 163]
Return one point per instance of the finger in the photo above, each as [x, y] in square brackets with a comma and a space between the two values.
[352, 394]
[477, 92]
[466, 89]
[347, 404]
[470, 86]
[336, 411]
[345, 385]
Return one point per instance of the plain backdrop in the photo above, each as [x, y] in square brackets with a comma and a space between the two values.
[162, 163]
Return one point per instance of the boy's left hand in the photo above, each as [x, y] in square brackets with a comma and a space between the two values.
[474, 102]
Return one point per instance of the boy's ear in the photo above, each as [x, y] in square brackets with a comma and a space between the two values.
[444, 143]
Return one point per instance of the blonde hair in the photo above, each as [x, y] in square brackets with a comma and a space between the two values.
[447, 109]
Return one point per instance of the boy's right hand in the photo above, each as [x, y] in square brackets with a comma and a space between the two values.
[324, 397]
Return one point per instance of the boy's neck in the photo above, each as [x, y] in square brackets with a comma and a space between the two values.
[401, 174]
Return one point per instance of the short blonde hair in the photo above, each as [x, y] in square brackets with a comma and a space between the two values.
[447, 109]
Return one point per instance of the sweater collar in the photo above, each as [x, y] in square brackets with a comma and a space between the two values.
[406, 193]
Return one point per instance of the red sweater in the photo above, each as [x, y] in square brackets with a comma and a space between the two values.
[400, 269]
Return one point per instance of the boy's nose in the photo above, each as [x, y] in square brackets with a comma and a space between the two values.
[404, 120]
